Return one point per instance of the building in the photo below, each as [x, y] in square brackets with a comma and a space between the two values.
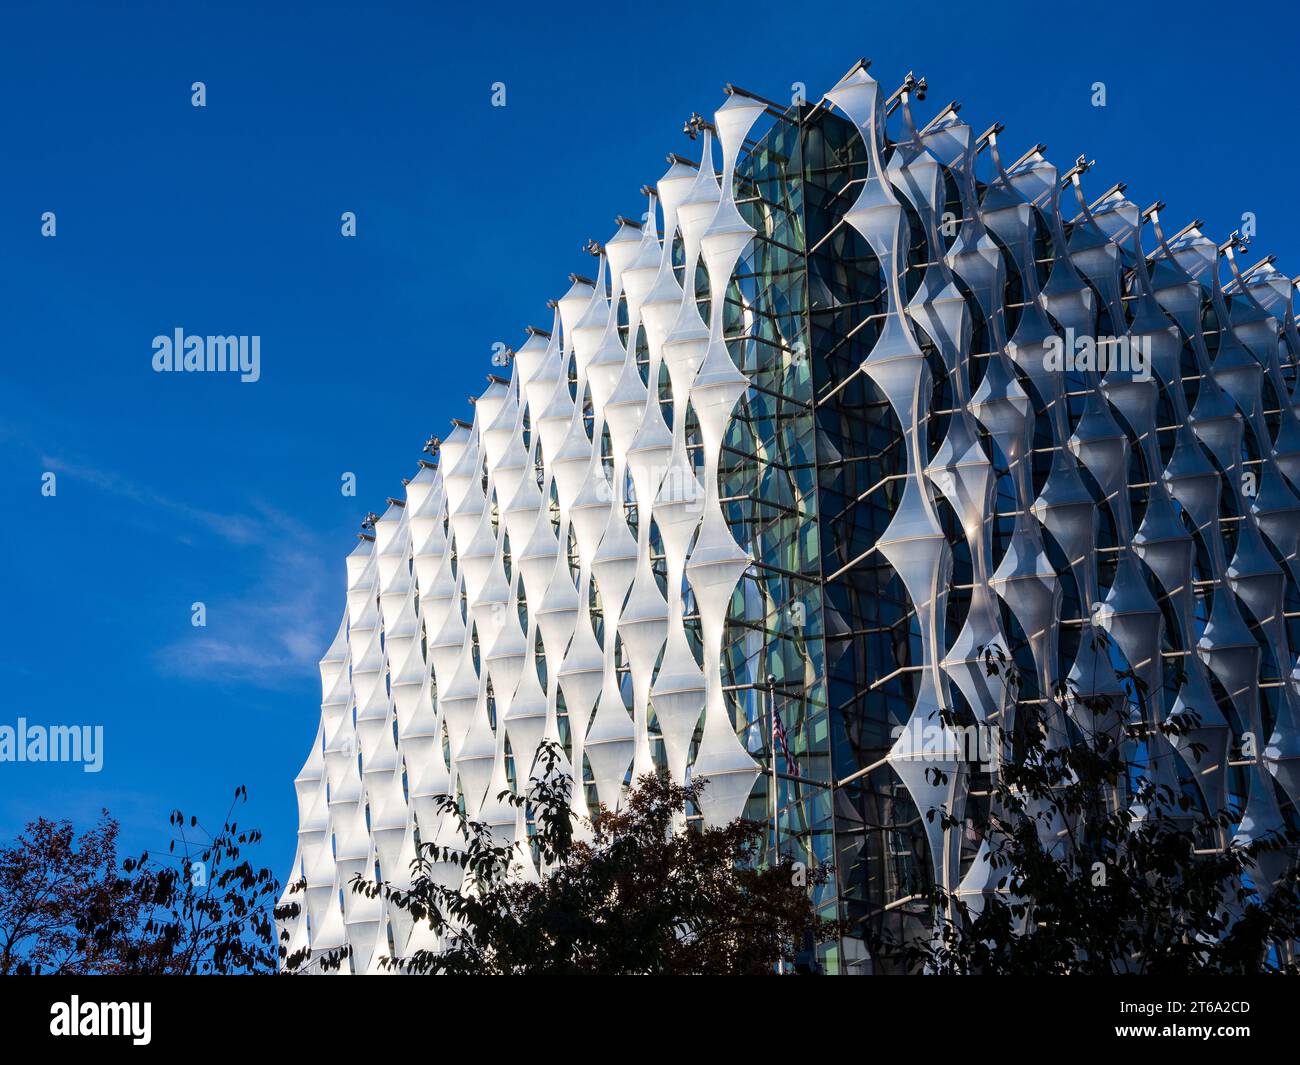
[949, 403]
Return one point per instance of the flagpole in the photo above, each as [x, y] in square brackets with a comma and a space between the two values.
[776, 786]
[772, 746]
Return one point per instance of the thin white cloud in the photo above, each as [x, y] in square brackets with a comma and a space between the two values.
[271, 633]
[234, 528]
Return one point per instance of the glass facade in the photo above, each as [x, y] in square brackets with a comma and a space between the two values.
[811, 476]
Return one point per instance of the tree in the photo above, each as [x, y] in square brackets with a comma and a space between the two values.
[640, 892]
[1096, 867]
[53, 885]
[67, 908]
[211, 911]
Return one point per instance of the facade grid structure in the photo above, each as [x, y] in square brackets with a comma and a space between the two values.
[796, 459]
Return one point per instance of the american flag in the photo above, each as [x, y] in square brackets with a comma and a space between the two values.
[778, 737]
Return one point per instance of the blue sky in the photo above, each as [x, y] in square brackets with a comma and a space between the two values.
[179, 488]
